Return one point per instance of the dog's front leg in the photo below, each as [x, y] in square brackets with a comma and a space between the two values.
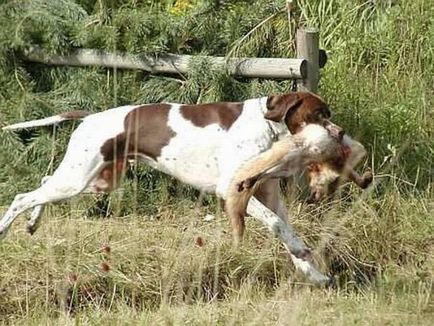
[299, 252]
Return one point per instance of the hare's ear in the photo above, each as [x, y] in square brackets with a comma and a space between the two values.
[278, 106]
[357, 151]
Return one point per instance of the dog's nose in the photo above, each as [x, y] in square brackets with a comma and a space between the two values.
[335, 131]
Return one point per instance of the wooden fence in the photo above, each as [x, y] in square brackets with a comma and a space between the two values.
[305, 68]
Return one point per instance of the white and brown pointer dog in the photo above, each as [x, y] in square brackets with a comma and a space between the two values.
[201, 145]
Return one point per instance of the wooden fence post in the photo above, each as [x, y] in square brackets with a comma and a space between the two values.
[308, 48]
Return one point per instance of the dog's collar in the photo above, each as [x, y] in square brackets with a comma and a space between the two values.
[262, 102]
[275, 130]
[274, 127]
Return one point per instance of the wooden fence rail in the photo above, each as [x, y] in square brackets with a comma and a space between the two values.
[305, 68]
[173, 63]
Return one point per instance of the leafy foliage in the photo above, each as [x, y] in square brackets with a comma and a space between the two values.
[377, 80]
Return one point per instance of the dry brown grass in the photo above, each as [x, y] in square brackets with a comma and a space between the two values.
[155, 270]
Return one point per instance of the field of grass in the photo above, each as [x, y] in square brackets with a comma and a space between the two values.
[174, 267]
[145, 254]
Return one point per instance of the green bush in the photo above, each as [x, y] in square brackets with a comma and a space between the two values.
[379, 83]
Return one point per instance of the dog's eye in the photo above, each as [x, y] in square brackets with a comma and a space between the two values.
[326, 113]
[320, 116]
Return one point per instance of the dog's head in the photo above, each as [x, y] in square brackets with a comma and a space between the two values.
[299, 109]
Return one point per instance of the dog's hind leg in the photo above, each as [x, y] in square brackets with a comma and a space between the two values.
[107, 180]
[35, 216]
[75, 172]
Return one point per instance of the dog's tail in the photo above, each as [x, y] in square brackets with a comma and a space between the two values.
[72, 115]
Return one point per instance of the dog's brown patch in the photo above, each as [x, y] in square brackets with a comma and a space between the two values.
[74, 115]
[109, 178]
[146, 133]
[201, 115]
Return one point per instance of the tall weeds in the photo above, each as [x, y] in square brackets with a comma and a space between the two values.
[379, 82]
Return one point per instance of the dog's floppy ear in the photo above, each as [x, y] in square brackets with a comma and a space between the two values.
[278, 106]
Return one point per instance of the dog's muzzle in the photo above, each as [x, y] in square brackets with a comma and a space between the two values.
[334, 130]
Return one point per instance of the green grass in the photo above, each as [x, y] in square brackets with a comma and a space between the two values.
[381, 252]
[379, 243]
